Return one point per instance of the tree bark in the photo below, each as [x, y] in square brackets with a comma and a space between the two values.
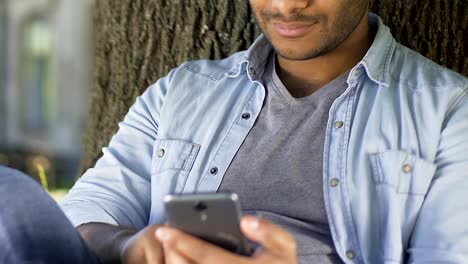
[435, 28]
[139, 41]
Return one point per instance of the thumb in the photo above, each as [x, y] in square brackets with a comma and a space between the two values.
[272, 237]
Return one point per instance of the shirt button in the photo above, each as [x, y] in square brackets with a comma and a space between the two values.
[339, 124]
[357, 72]
[252, 71]
[407, 168]
[214, 170]
[334, 182]
[350, 254]
[161, 153]
[246, 116]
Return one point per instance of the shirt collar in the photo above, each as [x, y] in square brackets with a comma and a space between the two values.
[379, 56]
[376, 61]
[254, 59]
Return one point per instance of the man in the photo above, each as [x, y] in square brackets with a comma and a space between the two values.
[350, 148]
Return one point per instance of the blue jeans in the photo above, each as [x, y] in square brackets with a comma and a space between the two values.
[33, 229]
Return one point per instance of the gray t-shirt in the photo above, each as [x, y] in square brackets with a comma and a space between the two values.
[277, 171]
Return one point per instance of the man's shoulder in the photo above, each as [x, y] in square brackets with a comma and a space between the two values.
[194, 78]
[418, 72]
[210, 69]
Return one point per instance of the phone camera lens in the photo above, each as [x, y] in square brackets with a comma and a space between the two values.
[200, 206]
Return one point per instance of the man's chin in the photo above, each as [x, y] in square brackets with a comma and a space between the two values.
[294, 55]
[290, 50]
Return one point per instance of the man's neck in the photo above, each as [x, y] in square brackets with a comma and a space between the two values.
[303, 78]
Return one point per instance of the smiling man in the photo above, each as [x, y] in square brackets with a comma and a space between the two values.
[350, 147]
[345, 146]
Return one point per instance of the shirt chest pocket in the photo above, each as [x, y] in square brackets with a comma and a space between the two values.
[173, 155]
[401, 183]
[171, 164]
[401, 172]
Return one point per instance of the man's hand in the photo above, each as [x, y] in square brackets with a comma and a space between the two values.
[278, 246]
[143, 247]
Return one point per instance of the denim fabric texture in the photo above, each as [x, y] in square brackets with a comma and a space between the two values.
[395, 169]
[33, 229]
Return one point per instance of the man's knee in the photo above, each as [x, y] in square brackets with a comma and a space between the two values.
[10, 176]
[20, 195]
[32, 226]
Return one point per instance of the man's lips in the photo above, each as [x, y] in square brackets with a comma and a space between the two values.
[291, 29]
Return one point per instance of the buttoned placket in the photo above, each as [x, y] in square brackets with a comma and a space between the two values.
[338, 133]
[233, 140]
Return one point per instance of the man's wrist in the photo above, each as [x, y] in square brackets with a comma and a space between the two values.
[107, 241]
[123, 240]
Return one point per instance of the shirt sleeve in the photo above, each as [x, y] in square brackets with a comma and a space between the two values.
[441, 230]
[117, 190]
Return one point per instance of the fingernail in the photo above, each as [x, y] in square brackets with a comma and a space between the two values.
[162, 234]
[253, 223]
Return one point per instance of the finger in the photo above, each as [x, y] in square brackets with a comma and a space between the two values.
[172, 257]
[272, 237]
[156, 257]
[146, 252]
[194, 249]
[154, 251]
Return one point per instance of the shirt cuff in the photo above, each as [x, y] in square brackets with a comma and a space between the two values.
[81, 213]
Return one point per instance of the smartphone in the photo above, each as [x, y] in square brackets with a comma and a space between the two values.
[213, 217]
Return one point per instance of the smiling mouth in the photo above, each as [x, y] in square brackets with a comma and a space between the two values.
[291, 29]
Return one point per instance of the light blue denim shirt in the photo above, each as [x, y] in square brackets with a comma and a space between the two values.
[395, 169]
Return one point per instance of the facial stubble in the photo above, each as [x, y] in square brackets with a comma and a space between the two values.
[346, 23]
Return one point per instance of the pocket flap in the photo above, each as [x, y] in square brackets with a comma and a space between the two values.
[406, 173]
[171, 154]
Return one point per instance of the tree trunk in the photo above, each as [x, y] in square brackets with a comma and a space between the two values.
[139, 41]
[435, 28]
